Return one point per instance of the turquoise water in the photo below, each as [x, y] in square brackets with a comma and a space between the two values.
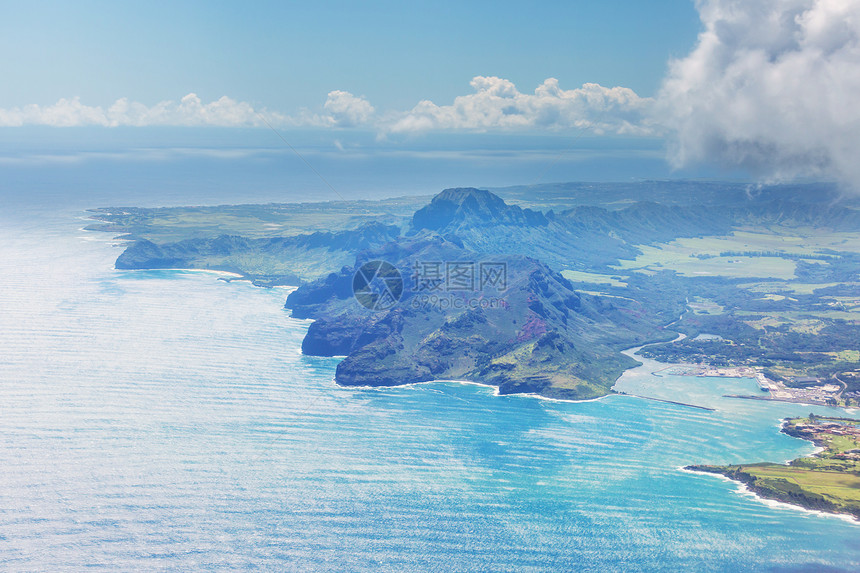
[167, 420]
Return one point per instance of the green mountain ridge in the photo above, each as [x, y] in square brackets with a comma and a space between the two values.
[535, 335]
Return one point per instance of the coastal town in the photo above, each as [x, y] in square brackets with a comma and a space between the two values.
[823, 430]
[813, 392]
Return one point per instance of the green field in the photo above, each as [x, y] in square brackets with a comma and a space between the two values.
[791, 287]
[794, 240]
[841, 488]
[594, 278]
[802, 315]
[680, 257]
[704, 306]
[170, 224]
[702, 256]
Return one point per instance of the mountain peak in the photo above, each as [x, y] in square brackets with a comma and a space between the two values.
[454, 208]
[460, 195]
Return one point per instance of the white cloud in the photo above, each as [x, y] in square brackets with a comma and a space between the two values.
[190, 110]
[347, 110]
[497, 104]
[342, 109]
[62, 114]
[770, 86]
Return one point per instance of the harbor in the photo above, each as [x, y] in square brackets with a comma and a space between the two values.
[823, 394]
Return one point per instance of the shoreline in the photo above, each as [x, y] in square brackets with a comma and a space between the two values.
[745, 490]
[492, 387]
[232, 275]
[496, 392]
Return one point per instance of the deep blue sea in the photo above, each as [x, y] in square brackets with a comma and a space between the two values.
[167, 420]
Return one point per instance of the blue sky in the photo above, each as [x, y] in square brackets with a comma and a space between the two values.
[289, 55]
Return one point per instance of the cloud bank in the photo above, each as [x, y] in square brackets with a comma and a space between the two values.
[341, 109]
[498, 104]
[189, 111]
[771, 86]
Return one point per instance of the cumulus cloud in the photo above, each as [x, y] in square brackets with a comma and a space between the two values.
[498, 104]
[347, 110]
[771, 86]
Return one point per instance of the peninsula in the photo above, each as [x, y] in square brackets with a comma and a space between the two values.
[538, 289]
[827, 481]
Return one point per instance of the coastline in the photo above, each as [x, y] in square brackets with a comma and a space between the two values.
[630, 352]
[234, 276]
[745, 490]
[124, 240]
[224, 274]
[492, 387]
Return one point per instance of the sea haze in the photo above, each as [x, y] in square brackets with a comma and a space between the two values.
[166, 419]
[174, 166]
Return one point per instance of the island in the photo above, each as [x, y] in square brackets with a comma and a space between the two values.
[538, 289]
[828, 480]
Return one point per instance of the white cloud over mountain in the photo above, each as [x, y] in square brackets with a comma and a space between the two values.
[771, 86]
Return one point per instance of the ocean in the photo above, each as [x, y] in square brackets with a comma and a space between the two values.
[167, 420]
